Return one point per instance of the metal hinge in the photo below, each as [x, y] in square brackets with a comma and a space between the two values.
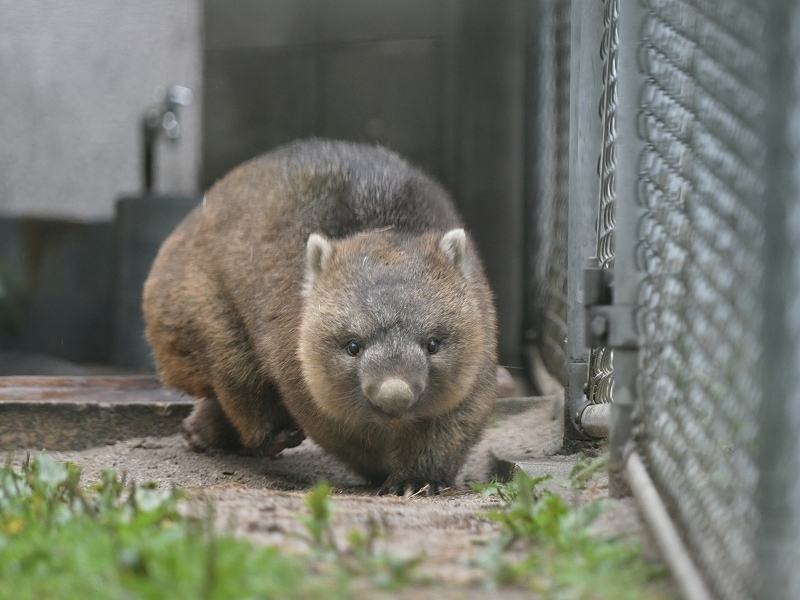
[607, 324]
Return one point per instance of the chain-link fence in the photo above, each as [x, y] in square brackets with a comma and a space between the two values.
[704, 377]
[699, 309]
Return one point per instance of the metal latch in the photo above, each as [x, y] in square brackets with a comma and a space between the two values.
[607, 324]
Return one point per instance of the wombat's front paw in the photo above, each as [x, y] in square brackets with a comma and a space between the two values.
[279, 441]
[412, 486]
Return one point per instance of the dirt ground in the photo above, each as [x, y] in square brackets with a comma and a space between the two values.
[260, 499]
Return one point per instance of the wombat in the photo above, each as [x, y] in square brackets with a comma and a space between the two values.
[328, 288]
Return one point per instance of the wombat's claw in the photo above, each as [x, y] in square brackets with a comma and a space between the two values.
[427, 489]
[412, 489]
[281, 440]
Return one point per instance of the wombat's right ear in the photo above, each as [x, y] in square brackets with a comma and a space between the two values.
[454, 246]
[318, 251]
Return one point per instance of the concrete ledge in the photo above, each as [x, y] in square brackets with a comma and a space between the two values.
[558, 467]
[74, 413]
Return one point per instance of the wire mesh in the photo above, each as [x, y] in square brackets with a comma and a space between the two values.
[700, 313]
[552, 179]
[607, 164]
[601, 360]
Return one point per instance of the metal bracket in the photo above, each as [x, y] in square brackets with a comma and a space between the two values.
[607, 324]
[598, 286]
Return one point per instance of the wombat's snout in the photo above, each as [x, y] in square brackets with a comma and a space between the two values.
[393, 396]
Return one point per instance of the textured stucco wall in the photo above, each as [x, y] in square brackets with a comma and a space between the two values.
[75, 78]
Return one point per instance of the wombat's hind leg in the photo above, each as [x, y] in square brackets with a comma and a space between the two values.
[208, 427]
[255, 410]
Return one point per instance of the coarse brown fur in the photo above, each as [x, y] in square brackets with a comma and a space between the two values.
[252, 314]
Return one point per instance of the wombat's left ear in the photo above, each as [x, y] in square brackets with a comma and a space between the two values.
[454, 246]
[318, 251]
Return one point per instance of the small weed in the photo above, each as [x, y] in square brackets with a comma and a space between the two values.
[361, 558]
[548, 547]
[585, 469]
[385, 570]
[321, 507]
[507, 491]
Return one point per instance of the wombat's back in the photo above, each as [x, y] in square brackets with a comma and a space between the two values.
[357, 188]
[333, 188]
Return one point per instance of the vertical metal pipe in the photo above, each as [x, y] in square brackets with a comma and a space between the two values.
[778, 533]
[626, 273]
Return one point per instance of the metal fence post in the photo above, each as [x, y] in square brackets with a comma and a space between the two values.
[778, 533]
[626, 273]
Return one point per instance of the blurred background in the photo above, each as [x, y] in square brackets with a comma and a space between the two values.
[93, 92]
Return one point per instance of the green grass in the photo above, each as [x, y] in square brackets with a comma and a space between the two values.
[122, 541]
[584, 469]
[549, 547]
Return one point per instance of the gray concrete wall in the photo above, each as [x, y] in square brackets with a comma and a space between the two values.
[279, 70]
[487, 112]
[76, 76]
[60, 292]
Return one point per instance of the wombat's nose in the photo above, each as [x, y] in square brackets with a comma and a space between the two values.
[394, 397]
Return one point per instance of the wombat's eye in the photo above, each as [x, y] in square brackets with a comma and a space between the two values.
[432, 346]
[353, 348]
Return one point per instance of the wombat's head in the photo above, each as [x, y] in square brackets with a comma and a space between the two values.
[394, 328]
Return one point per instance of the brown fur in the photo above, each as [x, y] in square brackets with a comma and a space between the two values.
[237, 316]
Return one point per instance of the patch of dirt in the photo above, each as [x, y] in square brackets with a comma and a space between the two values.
[260, 499]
